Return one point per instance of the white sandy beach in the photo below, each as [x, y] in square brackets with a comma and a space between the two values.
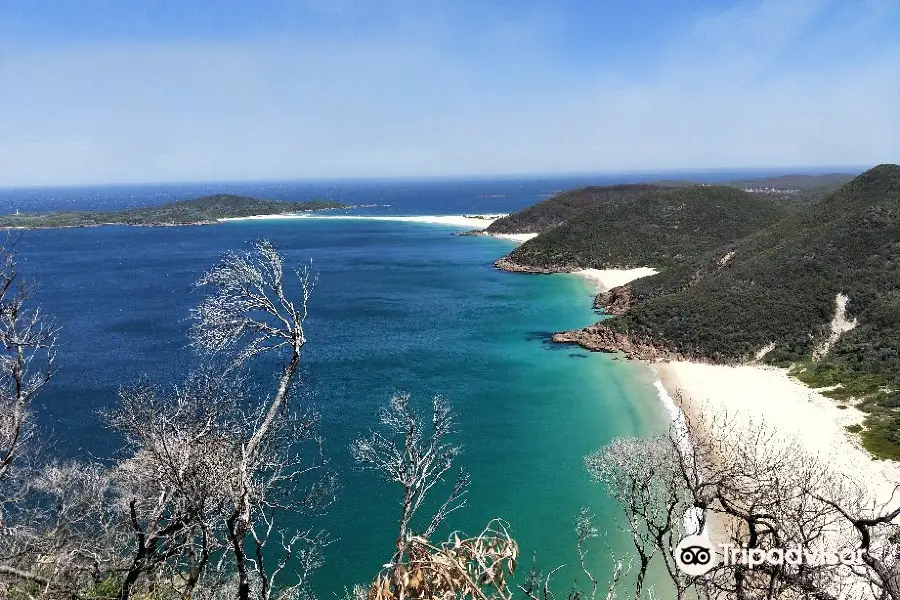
[472, 221]
[515, 237]
[607, 279]
[754, 397]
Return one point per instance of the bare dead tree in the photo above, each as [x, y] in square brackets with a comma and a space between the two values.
[205, 471]
[57, 534]
[760, 492]
[170, 479]
[641, 474]
[413, 451]
[584, 531]
[208, 466]
[249, 314]
[27, 351]
[75, 534]
[879, 540]
[415, 454]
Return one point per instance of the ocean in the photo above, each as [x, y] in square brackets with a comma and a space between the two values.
[399, 306]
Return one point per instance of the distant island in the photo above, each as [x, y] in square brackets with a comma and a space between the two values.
[199, 211]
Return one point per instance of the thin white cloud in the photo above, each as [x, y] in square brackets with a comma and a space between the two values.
[725, 93]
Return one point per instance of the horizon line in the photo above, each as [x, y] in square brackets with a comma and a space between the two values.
[779, 170]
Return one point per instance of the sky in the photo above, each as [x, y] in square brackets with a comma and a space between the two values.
[110, 91]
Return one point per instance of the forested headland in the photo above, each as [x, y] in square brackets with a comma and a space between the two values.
[757, 281]
[563, 206]
[656, 227]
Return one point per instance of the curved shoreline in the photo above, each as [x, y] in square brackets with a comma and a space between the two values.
[751, 395]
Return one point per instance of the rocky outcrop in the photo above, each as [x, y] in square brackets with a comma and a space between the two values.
[600, 338]
[507, 264]
[616, 301]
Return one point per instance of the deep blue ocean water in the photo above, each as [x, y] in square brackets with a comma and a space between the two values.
[398, 306]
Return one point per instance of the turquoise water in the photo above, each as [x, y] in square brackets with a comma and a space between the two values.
[399, 306]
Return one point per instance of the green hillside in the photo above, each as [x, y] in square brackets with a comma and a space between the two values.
[779, 286]
[185, 212]
[543, 216]
[657, 228]
[565, 205]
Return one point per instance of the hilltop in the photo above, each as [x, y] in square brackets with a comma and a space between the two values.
[657, 227]
[563, 206]
[819, 291]
[566, 205]
[207, 209]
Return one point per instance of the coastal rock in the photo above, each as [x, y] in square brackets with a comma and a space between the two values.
[600, 338]
[616, 301]
[507, 264]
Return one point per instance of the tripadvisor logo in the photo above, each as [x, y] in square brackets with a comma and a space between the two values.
[696, 555]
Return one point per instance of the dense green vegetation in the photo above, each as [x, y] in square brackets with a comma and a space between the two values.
[778, 286]
[565, 205]
[543, 216]
[201, 210]
[658, 227]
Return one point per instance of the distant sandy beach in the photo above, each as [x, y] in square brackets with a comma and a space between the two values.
[607, 279]
[753, 397]
[472, 221]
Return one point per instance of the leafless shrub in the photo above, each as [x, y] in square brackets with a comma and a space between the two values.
[474, 567]
[205, 471]
[642, 475]
[190, 507]
[173, 478]
[415, 454]
[27, 352]
[539, 586]
[249, 312]
[761, 493]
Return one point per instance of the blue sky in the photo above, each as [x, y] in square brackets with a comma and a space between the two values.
[169, 90]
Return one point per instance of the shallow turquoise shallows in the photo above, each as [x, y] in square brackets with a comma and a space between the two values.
[399, 307]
